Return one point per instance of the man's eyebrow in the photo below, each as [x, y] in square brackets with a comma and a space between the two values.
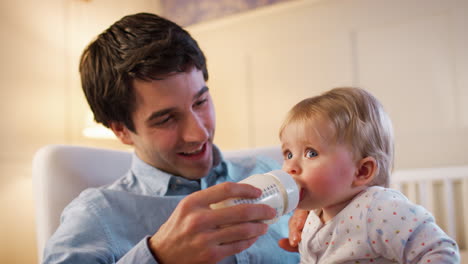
[203, 90]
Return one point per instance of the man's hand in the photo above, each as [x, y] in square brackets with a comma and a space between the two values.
[296, 224]
[194, 233]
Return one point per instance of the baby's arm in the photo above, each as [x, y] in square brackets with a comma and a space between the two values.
[429, 244]
[406, 232]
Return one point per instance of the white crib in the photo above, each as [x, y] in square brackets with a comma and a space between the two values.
[444, 192]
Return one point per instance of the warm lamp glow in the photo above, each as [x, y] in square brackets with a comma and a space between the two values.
[99, 132]
[94, 130]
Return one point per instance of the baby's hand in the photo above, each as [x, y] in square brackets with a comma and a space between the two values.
[296, 224]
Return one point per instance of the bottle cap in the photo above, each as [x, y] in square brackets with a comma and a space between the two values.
[290, 187]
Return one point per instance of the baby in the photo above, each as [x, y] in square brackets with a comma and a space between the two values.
[339, 148]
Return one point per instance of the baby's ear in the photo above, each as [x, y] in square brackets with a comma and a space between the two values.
[365, 171]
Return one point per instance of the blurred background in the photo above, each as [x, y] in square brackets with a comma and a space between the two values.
[263, 57]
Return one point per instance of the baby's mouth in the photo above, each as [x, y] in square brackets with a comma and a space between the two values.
[301, 194]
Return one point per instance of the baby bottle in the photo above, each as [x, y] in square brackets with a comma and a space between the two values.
[279, 190]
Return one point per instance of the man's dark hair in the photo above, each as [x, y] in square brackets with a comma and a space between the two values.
[140, 46]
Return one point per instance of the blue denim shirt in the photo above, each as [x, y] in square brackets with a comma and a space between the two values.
[112, 224]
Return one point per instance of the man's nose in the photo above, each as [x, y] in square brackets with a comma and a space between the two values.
[194, 129]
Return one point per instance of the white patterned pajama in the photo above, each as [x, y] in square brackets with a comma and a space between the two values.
[379, 225]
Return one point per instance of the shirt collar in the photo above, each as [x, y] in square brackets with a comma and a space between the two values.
[158, 181]
[155, 180]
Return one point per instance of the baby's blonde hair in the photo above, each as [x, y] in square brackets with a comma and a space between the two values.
[358, 121]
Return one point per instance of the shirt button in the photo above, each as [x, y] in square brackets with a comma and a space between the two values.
[173, 187]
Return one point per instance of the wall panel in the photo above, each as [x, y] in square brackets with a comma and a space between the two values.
[410, 54]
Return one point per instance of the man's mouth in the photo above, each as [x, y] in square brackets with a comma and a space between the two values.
[194, 152]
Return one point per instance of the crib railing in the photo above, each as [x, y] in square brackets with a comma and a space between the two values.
[444, 192]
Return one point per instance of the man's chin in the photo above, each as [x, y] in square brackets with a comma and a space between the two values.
[195, 174]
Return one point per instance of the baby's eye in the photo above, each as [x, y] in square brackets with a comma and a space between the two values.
[311, 153]
[289, 155]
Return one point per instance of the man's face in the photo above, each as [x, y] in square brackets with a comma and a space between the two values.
[174, 122]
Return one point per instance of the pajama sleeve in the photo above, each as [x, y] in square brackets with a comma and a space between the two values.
[405, 232]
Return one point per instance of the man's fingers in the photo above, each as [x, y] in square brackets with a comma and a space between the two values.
[284, 244]
[223, 191]
[243, 213]
[236, 247]
[239, 232]
[230, 240]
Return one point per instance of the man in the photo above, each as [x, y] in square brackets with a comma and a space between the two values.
[144, 78]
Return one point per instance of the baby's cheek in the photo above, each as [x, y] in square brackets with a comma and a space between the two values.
[322, 185]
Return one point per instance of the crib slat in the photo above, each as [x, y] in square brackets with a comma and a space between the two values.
[449, 208]
[426, 195]
[398, 186]
[412, 192]
[465, 207]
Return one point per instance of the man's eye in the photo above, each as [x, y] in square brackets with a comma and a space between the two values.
[200, 102]
[311, 153]
[163, 121]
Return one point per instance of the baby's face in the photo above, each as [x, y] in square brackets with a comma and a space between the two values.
[324, 170]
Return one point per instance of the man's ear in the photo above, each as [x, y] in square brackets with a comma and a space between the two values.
[366, 170]
[121, 132]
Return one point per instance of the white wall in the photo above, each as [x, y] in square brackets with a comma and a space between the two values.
[411, 54]
[31, 109]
